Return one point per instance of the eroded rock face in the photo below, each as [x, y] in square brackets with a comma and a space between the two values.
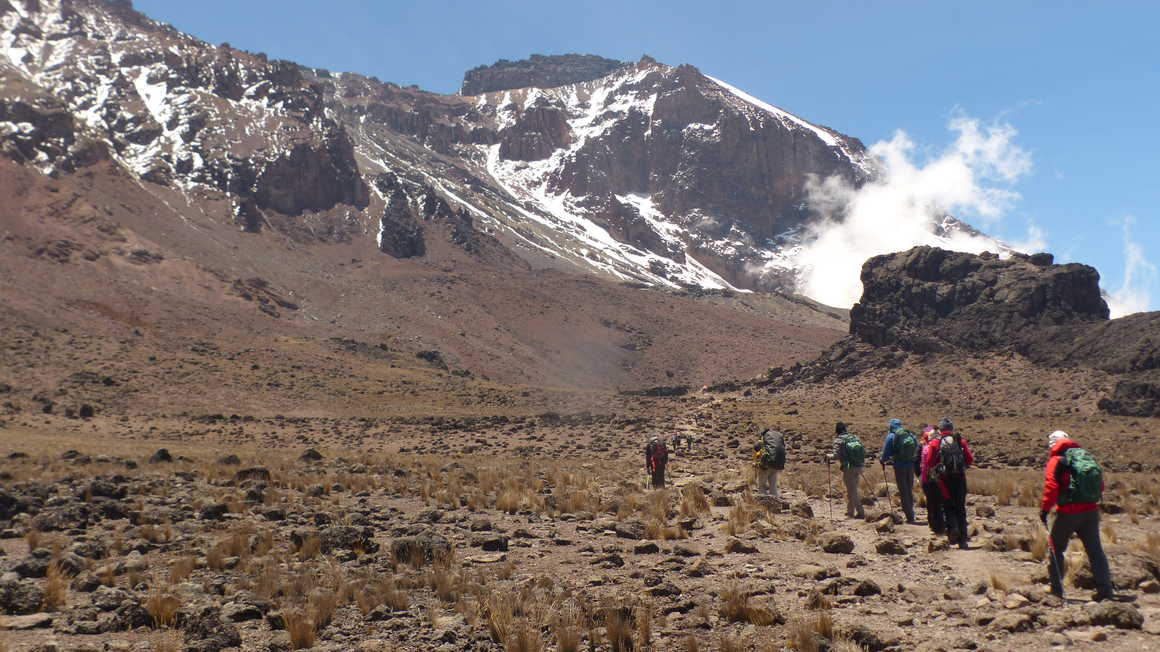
[539, 71]
[930, 299]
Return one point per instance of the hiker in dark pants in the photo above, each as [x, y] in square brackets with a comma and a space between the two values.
[935, 492]
[954, 458]
[656, 457]
[1073, 484]
[901, 449]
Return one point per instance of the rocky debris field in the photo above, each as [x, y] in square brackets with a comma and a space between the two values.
[200, 548]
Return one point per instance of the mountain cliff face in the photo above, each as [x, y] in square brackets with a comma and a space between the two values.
[639, 172]
[537, 71]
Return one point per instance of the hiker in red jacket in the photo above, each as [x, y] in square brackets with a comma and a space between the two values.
[656, 456]
[1073, 484]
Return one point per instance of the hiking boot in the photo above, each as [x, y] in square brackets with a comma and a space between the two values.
[963, 545]
[1102, 596]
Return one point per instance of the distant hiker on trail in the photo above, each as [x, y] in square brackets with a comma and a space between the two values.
[936, 492]
[954, 458]
[656, 456]
[1073, 484]
[768, 461]
[901, 448]
[852, 455]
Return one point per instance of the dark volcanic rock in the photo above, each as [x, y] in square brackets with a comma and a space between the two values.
[539, 71]
[930, 299]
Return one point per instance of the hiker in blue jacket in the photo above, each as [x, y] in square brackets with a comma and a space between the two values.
[902, 450]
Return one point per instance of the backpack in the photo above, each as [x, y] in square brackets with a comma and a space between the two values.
[951, 457]
[772, 450]
[1087, 479]
[657, 451]
[853, 453]
[905, 446]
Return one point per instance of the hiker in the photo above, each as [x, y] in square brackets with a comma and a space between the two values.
[850, 453]
[901, 449]
[656, 456]
[1073, 484]
[769, 461]
[954, 458]
[935, 491]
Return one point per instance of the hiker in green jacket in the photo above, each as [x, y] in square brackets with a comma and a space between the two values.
[850, 453]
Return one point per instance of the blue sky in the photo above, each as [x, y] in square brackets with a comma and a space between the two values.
[1079, 81]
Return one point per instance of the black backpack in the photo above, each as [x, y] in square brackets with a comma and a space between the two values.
[772, 450]
[951, 456]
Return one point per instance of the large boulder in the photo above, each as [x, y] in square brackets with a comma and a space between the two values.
[930, 299]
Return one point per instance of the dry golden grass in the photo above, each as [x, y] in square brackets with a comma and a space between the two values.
[300, 628]
[163, 608]
[999, 582]
[805, 631]
[618, 628]
[566, 628]
[311, 547]
[739, 518]
[694, 502]
[1039, 544]
[736, 607]
[322, 607]
[181, 569]
[643, 616]
[730, 643]
[56, 587]
[33, 539]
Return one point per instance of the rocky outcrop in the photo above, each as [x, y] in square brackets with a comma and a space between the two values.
[930, 299]
[538, 71]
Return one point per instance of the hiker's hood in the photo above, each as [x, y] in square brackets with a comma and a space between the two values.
[894, 424]
[1062, 445]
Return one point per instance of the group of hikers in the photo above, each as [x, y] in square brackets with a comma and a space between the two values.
[939, 457]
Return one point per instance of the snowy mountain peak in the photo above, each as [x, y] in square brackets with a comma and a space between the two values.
[641, 172]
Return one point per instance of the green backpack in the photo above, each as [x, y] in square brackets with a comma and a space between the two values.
[905, 446]
[1087, 478]
[853, 453]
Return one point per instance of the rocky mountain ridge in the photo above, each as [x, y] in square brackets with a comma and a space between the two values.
[639, 172]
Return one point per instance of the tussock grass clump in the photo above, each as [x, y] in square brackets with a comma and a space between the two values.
[301, 629]
[618, 628]
[163, 608]
[311, 547]
[322, 607]
[694, 502]
[181, 569]
[811, 633]
[566, 627]
[736, 607]
[56, 587]
[998, 582]
[33, 539]
[739, 519]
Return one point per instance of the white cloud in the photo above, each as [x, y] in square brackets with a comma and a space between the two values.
[899, 210]
[1140, 277]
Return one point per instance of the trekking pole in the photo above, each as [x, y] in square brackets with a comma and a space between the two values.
[1053, 562]
[829, 489]
[887, 481]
